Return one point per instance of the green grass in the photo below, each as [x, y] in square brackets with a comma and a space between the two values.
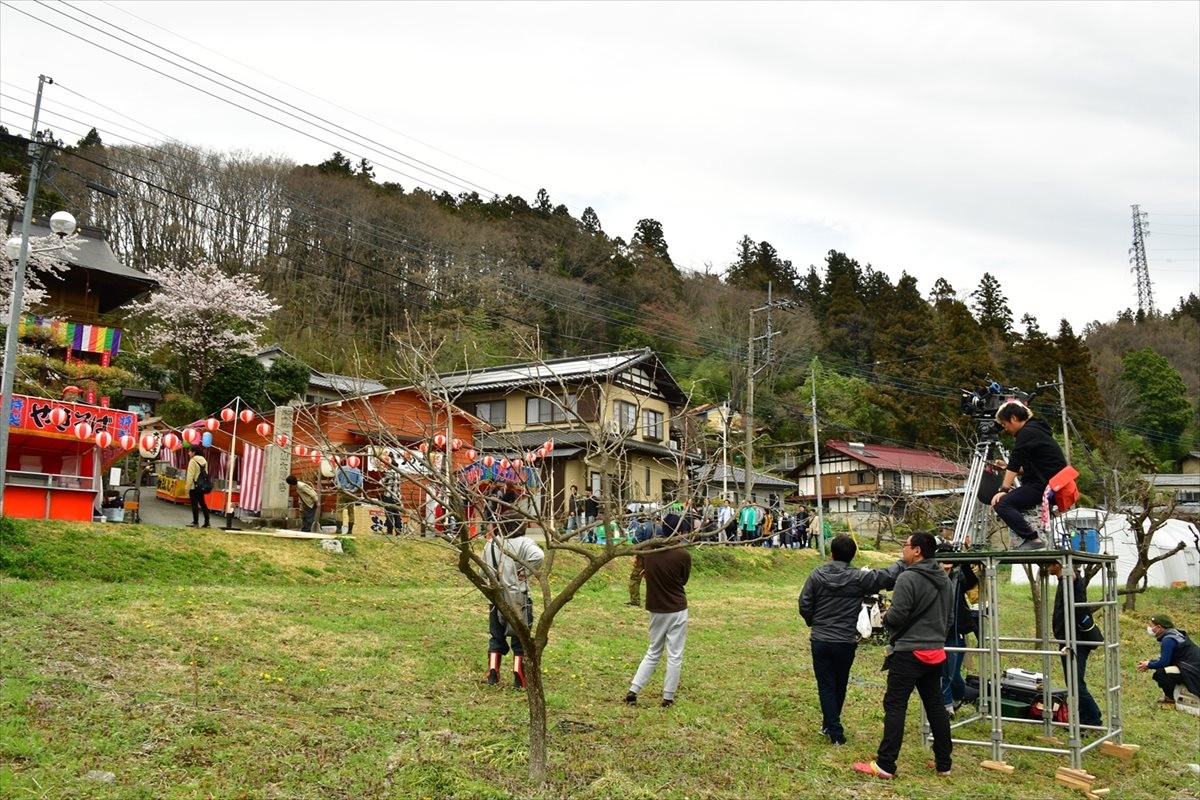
[212, 665]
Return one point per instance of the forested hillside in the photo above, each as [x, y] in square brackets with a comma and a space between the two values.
[355, 265]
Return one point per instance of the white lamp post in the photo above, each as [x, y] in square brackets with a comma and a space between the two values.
[17, 248]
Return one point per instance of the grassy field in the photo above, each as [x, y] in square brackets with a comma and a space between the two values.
[195, 665]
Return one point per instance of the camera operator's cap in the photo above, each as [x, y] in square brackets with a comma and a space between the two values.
[1162, 619]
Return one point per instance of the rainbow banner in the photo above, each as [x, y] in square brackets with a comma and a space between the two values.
[75, 335]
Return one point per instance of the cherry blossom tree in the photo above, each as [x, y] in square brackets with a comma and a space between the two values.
[45, 255]
[200, 317]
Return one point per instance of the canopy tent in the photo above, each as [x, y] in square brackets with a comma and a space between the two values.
[1117, 538]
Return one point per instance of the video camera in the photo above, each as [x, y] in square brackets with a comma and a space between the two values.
[982, 405]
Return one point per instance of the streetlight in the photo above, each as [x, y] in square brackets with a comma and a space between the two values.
[17, 248]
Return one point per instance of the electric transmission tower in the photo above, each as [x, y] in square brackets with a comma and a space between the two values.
[1137, 257]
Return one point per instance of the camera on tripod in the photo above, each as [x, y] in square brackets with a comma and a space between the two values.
[982, 404]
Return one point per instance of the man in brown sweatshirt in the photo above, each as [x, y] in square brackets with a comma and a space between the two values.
[666, 574]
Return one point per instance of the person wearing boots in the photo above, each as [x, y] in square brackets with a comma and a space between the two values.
[1178, 659]
[509, 560]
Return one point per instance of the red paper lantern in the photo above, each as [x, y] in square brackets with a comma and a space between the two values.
[170, 441]
[227, 414]
[471, 455]
[440, 440]
[148, 442]
[315, 453]
[336, 459]
[83, 430]
[127, 442]
[423, 447]
[353, 461]
[212, 423]
[488, 461]
[103, 439]
[316, 456]
[59, 417]
[300, 450]
[263, 429]
[549, 445]
[541, 451]
[282, 440]
[457, 443]
[517, 464]
[504, 463]
[407, 454]
[247, 416]
[191, 435]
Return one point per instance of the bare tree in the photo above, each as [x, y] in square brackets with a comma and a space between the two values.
[1154, 507]
[423, 455]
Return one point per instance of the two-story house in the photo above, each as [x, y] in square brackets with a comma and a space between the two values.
[610, 415]
[868, 477]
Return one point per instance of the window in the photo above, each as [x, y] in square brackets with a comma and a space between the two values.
[493, 412]
[624, 416]
[652, 425]
[862, 477]
[544, 411]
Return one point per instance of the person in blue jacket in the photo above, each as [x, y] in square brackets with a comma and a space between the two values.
[1178, 659]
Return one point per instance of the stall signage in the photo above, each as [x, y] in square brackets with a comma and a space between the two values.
[477, 473]
[33, 414]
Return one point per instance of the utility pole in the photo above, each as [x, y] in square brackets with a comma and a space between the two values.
[725, 450]
[1137, 257]
[817, 464]
[1062, 406]
[748, 415]
[17, 292]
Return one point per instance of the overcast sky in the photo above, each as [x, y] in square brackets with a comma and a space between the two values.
[946, 140]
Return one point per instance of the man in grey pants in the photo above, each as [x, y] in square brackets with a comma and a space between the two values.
[666, 574]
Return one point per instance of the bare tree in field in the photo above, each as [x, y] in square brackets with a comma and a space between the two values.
[421, 453]
[1155, 508]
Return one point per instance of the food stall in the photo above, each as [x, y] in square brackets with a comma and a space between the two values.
[54, 472]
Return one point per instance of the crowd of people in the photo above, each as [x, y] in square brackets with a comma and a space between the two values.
[929, 613]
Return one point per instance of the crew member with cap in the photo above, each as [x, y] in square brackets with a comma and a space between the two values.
[1036, 458]
[1178, 659]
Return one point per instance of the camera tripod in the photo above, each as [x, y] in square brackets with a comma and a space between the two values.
[982, 482]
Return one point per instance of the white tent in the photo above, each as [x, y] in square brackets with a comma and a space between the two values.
[1116, 537]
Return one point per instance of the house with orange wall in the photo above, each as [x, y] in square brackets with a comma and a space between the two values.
[376, 425]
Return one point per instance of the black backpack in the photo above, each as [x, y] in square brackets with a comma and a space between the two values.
[203, 482]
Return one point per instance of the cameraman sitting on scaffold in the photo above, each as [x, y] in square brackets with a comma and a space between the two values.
[1036, 457]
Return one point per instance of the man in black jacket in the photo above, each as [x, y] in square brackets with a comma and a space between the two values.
[1035, 458]
[830, 604]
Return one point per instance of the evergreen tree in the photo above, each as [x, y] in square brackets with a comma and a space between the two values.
[759, 266]
[648, 234]
[590, 222]
[991, 306]
[1163, 411]
[1084, 400]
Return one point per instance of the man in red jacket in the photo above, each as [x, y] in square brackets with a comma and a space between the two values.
[666, 573]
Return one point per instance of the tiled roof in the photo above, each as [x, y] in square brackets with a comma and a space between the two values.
[565, 370]
[716, 473]
[899, 459]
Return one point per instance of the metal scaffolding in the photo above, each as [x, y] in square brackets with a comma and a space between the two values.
[994, 648]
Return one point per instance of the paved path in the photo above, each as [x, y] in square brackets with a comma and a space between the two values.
[175, 515]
